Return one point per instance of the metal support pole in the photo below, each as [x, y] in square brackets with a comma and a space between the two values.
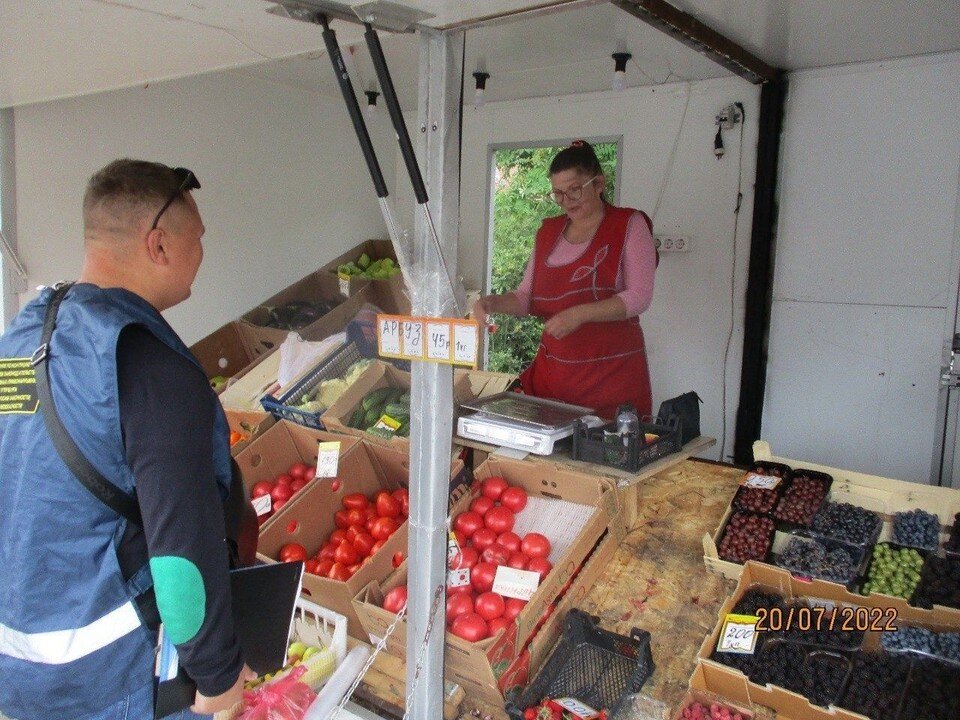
[437, 143]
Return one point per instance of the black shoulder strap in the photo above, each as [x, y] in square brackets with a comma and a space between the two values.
[101, 488]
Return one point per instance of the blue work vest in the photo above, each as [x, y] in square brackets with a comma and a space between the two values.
[72, 641]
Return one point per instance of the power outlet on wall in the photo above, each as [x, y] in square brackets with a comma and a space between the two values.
[673, 243]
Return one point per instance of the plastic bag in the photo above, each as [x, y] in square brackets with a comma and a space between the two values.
[298, 355]
[285, 699]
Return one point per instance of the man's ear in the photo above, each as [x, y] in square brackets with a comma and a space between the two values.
[154, 242]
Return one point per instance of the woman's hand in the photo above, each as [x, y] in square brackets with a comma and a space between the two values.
[482, 308]
[564, 322]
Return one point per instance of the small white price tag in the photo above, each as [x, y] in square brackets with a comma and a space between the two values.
[458, 578]
[344, 285]
[262, 505]
[438, 341]
[763, 482]
[466, 344]
[580, 710]
[389, 336]
[328, 459]
[738, 634]
[412, 339]
[520, 584]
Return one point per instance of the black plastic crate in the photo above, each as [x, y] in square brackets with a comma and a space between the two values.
[595, 666]
[333, 366]
[602, 446]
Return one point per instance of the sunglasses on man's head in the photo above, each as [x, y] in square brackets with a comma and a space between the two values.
[188, 181]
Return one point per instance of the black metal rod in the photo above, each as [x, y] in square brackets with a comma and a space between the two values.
[353, 107]
[396, 114]
[759, 295]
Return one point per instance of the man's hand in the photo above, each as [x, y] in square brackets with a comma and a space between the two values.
[564, 322]
[204, 705]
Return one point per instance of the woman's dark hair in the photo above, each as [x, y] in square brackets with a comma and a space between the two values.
[579, 156]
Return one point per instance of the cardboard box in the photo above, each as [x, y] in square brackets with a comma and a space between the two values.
[276, 449]
[726, 681]
[881, 495]
[308, 519]
[250, 424]
[467, 385]
[483, 663]
[393, 290]
[229, 351]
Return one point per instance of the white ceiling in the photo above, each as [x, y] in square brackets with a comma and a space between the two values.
[59, 48]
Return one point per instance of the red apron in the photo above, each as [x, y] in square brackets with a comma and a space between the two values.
[600, 364]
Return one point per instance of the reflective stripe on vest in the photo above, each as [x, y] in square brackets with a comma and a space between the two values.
[58, 647]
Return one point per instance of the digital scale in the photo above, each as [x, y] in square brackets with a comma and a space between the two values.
[522, 422]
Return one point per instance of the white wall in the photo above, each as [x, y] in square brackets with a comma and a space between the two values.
[284, 185]
[686, 328]
[868, 225]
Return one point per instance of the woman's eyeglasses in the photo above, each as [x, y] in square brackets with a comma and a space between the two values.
[573, 194]
[188, 181]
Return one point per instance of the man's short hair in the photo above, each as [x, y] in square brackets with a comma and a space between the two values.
[125, 189]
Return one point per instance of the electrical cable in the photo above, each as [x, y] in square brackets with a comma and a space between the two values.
[673, 156]
[733, 278]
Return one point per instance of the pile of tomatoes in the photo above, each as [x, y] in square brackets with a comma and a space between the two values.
[550, 710]
[282, 488]
[363, 527]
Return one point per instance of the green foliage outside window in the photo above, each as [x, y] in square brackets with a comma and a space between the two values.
[521, 201]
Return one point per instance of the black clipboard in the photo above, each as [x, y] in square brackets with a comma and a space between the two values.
[264, 600]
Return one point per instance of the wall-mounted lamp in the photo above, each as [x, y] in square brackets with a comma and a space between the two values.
[372, 96]
[620, 70]
[481, 78]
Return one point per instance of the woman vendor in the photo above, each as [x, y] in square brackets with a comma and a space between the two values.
[589, 278]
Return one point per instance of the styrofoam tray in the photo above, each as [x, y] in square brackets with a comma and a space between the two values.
[559, 520]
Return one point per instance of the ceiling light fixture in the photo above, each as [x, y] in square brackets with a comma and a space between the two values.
[481, 77]
[620, 70]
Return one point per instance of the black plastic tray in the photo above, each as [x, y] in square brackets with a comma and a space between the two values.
[896, 546]
[761, 467]
[591, 445]
[857, 552]
[595, 666]
[788, 525]
[767, 556]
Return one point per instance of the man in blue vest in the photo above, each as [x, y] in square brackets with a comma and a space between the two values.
[81, 586]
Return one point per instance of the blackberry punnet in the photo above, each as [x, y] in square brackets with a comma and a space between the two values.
[843, 521]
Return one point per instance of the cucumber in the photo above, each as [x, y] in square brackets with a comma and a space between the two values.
[377, 397]
[357, 418]
[398, 411]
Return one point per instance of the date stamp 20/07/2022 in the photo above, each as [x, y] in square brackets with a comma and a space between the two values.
[816, 619]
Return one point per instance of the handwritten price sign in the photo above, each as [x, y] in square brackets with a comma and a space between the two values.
[453, 342]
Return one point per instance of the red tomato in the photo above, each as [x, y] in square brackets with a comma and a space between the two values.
[397, 559]
[376, 546]
[497, 624]
[371, 512]
[484, 538]
[481, 576]
[370, 523]
[298, 484]
[514, 498]
[467, 557]
[496, 554]
[468, 523]
[518, 561]
[335, 485]
[462, 589]
[346, 554]
[310, 566]
[540, 565]
[352, 532]
[500, 520]
[462, 540]
[277, 504]
[310, 474]
[513, 607]
[458, 604]
[489, 605]
[394, 600]
[471, 627]
[384, 528]
[402, 496]
[356, 517]
[292, 552]
[338, 572]
[297, 470]
[281, 492]
[363, 544]
[387, 505]
[351, 571]
[535, 545]
[493, 487]
[355, 501]
[283, 480]
[323, 567]
[338, 536]
[261, 488]
[510, 540]
[329, 551]
[340, 519]
[481, 504]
